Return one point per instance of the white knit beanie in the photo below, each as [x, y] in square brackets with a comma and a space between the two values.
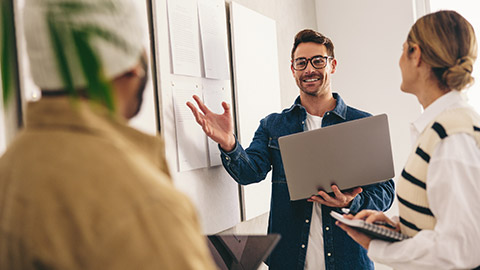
[119, 18]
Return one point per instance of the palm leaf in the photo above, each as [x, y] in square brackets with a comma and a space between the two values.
[72, 7]
[8, 50]
[98, 87]
[95, 31]
[61, 58]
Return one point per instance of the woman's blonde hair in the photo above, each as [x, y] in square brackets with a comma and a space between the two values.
[448, 44]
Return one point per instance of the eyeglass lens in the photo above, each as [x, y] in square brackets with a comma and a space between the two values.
[316, 61]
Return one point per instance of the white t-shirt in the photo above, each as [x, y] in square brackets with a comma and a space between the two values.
[315, 259]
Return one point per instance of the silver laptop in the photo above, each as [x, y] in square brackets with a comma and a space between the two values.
[349, 154]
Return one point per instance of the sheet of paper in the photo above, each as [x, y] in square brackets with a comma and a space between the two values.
[215, 92]
[191, 140]
[184, 37]
[213, 32]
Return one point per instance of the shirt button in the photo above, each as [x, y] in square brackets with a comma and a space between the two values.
[303, 246]
[307, 221]
[227, 158]
[329, 254]
[328, 113]
[327, 228]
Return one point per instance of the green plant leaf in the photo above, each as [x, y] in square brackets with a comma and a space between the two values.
[66, 31]
[98, 87]
[109, 36]
[72, 7]
[61, 58]
[8, 50]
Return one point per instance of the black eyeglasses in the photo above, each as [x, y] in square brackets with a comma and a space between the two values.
[318, 61]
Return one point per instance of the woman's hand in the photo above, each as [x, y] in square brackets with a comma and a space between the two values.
[370, 216]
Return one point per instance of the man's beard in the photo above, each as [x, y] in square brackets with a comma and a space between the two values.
[316, 90]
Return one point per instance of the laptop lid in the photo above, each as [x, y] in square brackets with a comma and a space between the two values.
[350, 154]
[239, 252]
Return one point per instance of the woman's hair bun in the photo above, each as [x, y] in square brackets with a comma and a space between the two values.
[459, 76]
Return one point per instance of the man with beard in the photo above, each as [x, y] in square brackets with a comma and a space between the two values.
[310, 239]
[79, 188]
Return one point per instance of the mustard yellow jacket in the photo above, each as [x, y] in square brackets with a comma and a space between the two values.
[79, 189]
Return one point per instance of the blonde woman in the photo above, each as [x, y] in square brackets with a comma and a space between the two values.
[439, 185]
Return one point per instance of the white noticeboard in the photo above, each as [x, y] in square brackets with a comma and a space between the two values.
[208, 77]
[257, 88]
[193, 160]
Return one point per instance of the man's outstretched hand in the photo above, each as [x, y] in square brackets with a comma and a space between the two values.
[219, 127]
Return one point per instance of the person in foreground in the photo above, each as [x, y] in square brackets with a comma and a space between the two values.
[79, 188]
[309, 238]
[439, 185]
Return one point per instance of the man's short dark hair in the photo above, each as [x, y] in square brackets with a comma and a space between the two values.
[309, 35]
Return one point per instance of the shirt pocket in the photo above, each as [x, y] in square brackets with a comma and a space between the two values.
[278, 173]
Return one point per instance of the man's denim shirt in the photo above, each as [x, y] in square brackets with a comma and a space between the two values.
[291, 219]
